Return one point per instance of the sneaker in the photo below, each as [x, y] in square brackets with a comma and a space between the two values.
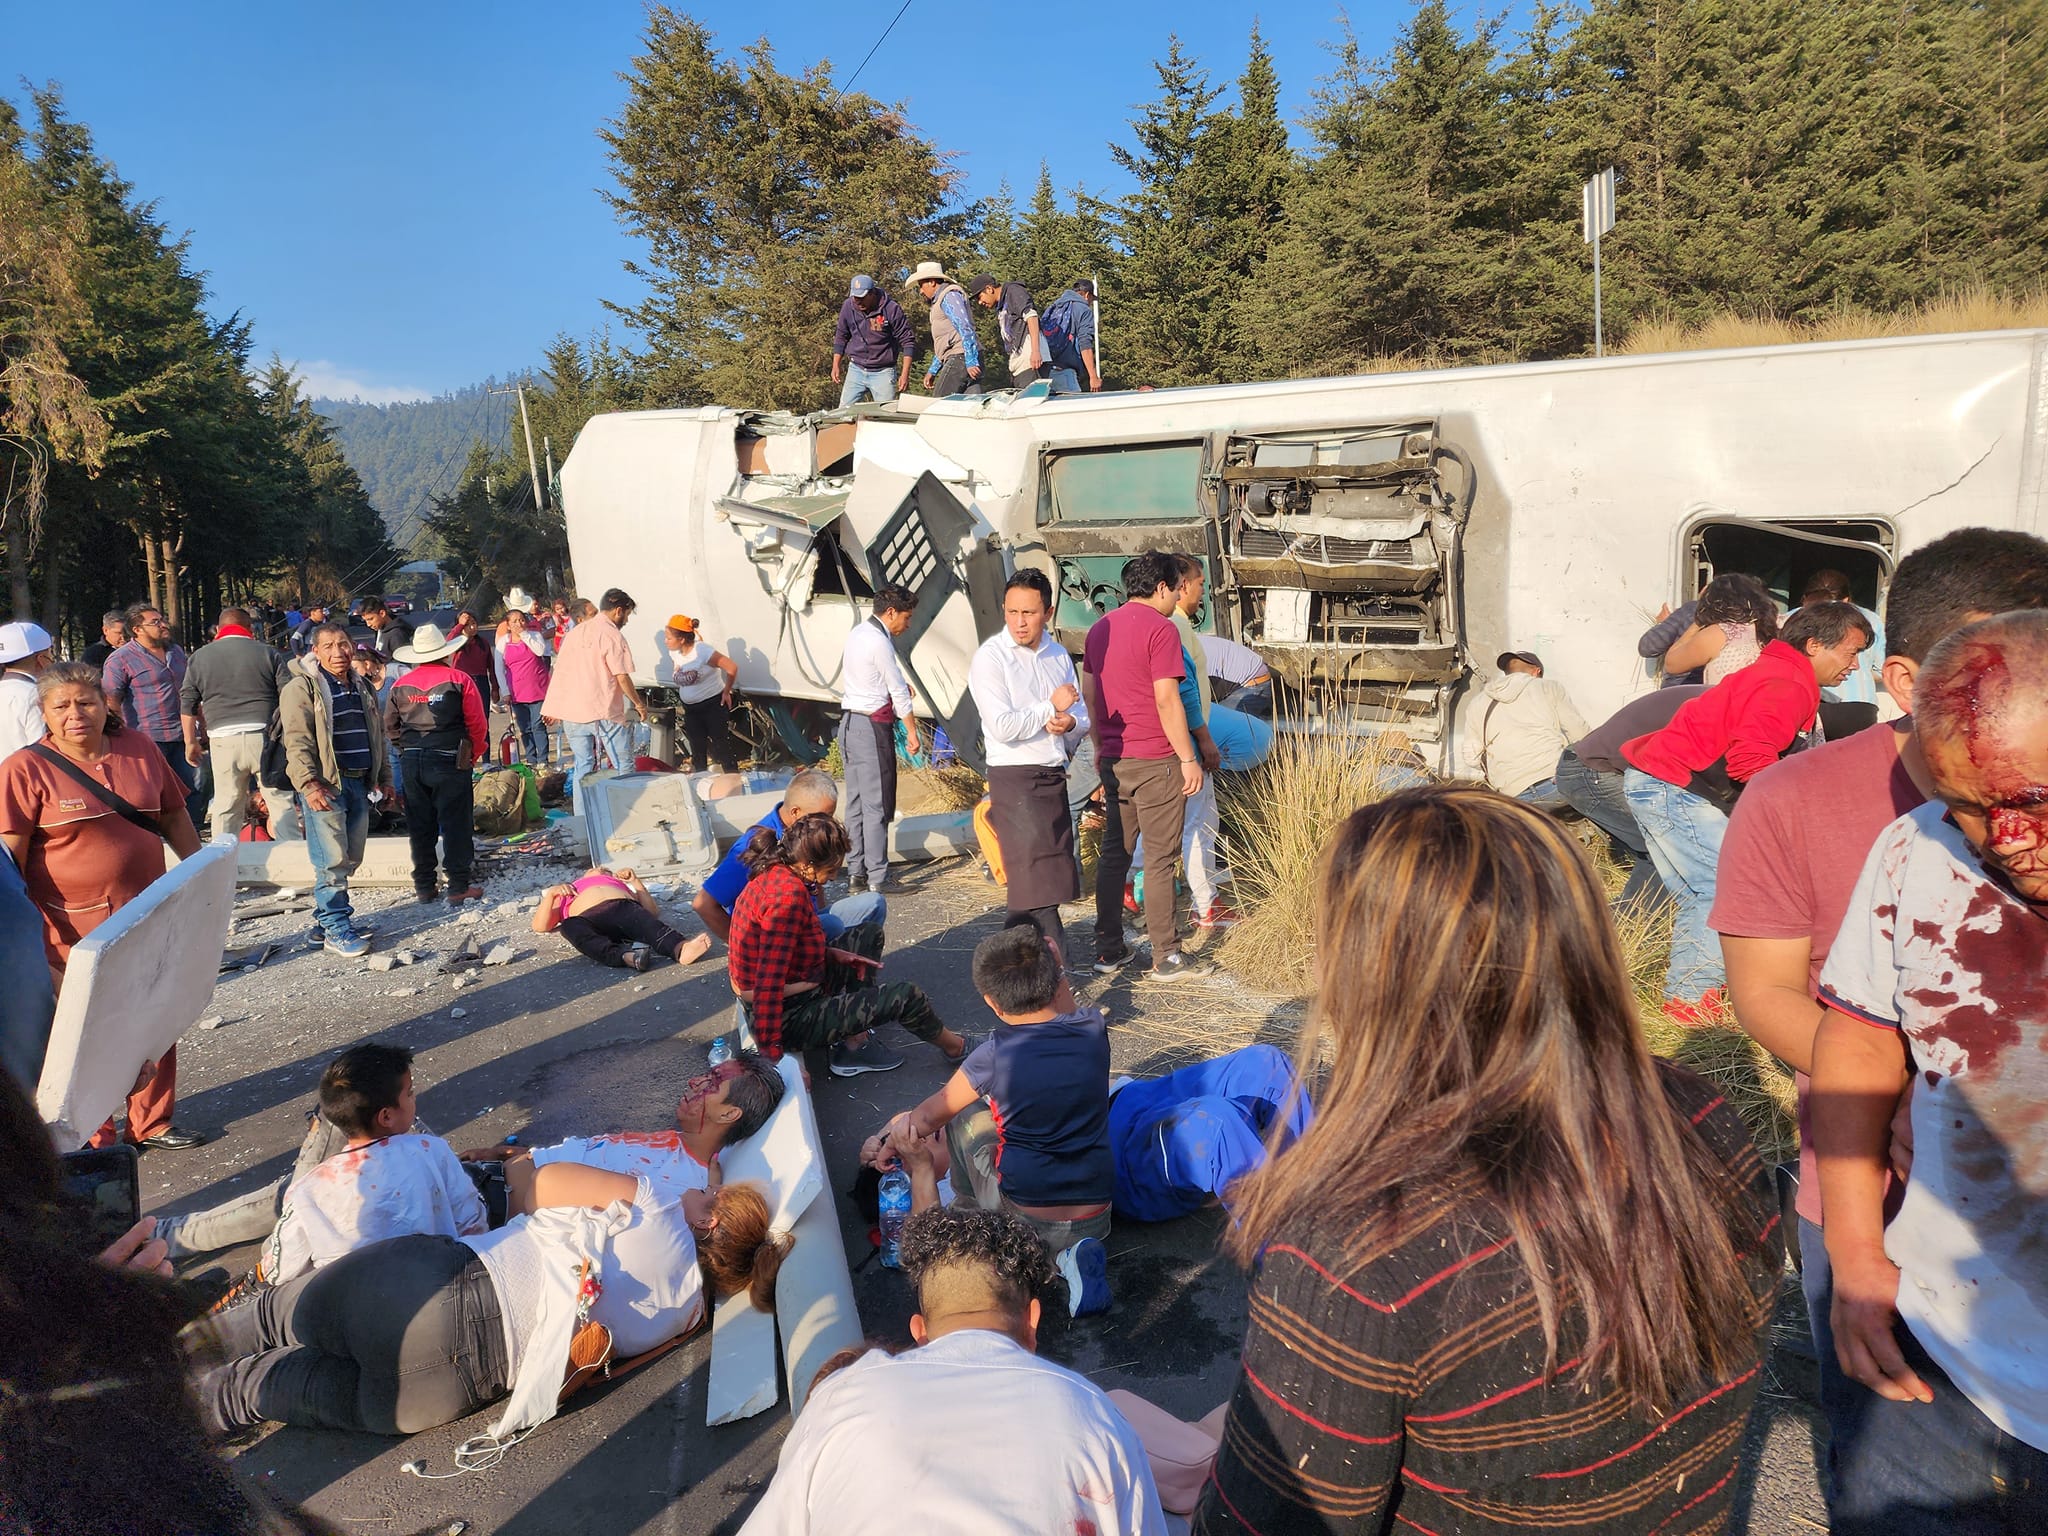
[1110, 964]
[317, 936]
[1176, 967]
[467, 893]
[352, 947]
[1220, 915]
[426, 893]
[851, 1061]
[1085, 1267]
[637, 957]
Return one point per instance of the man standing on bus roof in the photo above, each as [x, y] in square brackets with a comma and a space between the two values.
[872, 346]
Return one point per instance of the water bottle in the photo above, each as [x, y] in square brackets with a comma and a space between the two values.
[721, 1052]
[894, 1200]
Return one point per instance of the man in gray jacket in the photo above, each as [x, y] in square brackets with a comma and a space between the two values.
[229, 695]
[334, 750]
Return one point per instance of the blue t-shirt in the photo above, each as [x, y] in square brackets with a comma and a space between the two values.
[724, 884]
[1047, 1086]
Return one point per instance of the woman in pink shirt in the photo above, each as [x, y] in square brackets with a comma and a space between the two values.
[523, 673]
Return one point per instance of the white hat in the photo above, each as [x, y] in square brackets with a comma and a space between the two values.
[927, 271]
[428, 644]
[21, 640]
[519, 598]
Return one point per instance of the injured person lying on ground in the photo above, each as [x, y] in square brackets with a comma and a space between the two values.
[724, 1105]
[614, 919]
[418, 1331]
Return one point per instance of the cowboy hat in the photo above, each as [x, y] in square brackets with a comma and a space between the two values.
[428, 644]
[927, 272]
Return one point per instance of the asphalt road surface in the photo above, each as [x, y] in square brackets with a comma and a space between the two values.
[553, 1045]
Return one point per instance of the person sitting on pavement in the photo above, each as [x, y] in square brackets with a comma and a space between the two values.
[802, 992]
[437, 716]
[1181, 1141]
[727, 1104]
[421, 1330]
[385, 1182]
[1040, 1444]
[1524, 720]
[1026, 1117]
[614, 919]
[811, 792]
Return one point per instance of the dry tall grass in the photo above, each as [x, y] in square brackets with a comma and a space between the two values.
[1969, 309]
[1278, 820]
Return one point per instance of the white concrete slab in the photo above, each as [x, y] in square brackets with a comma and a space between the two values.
[652, 823]
[783, 1154]
[131, 988]
[386, 861]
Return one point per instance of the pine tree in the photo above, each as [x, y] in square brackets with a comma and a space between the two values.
[758, 195]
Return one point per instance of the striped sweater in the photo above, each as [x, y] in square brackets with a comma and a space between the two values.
[1401, 1389]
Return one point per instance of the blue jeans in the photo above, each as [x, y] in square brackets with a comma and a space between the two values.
[1838, 1394]
[334, 843]
[1930, 1469]
[879, 384]
[533, 736]
[1684, 834]
[1545, 796]
[583, 740]
[868, 907]
[187, 775]
[1597, 796]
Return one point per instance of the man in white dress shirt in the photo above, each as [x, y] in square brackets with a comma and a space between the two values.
[874, 696]
[1032, 717]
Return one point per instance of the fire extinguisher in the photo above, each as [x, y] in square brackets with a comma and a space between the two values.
[508, 745]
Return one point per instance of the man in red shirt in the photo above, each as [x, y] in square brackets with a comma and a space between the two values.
[436, 716]
[1147, 759]
[1682, 781]
[1797, 842]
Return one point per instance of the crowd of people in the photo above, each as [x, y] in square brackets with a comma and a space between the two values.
[874, 342]
[1508, 1270]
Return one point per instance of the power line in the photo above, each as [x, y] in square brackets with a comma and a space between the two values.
[871, 53]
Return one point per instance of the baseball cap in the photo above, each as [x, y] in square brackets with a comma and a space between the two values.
[861, 285]
[683, 622]
[976, 284]
[21, 640]
[1501, 661]
[1085, 285]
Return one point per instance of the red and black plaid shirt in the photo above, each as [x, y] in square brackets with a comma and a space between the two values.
[775, 940]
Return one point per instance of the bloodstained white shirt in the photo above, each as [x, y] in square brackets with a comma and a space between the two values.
[402, 1186]
[659, 1157]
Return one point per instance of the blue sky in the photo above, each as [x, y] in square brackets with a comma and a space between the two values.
[404, 198]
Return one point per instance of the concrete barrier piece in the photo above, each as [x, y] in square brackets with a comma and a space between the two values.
[132, 987]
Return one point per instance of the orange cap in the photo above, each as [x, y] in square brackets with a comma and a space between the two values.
[682, 621]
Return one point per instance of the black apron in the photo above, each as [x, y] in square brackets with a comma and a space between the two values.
[1028, 809]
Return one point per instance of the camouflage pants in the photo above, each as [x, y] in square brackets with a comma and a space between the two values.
[850, 1001]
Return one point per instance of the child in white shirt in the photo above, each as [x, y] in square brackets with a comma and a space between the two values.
[385, 1184]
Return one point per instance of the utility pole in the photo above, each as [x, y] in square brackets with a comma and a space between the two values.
[548, 449]
[1596, 218]
[532, 460]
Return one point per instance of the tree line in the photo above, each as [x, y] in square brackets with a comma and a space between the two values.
[1774, 156]
[142, 455]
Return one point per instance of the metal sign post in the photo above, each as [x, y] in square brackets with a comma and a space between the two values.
[1596, 218]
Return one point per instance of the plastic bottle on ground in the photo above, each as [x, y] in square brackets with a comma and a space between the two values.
[894, 1200]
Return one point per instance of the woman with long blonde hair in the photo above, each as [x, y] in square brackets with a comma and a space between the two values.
[1516, 1275]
